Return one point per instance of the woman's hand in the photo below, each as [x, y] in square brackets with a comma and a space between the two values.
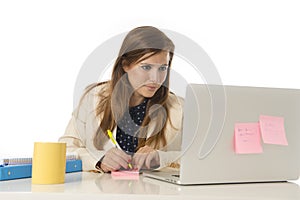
[146, 157]
[114, 159]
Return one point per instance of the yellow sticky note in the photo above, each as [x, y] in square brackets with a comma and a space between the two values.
[49, 163]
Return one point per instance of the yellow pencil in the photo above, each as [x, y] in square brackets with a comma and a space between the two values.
[114, 141]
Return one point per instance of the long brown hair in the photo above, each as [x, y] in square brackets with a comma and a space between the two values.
[115, 100]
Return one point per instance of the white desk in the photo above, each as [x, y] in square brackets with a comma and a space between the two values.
[90, 186]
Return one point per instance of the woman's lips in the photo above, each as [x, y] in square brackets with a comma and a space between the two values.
[151, 87]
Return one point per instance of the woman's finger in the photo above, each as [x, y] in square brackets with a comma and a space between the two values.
[109, 165]
[140, 161]
[148, 160]
[152, 159]
[114, 159]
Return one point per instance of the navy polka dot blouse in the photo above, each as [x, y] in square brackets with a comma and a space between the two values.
[128, 127]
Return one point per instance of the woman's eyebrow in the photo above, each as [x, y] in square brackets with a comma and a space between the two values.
[153, 64]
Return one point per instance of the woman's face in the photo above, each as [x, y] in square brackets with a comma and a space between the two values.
[147, 76]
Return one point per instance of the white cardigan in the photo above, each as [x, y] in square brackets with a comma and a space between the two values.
[80, 131]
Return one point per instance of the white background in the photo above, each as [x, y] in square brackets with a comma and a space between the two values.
[43, 45]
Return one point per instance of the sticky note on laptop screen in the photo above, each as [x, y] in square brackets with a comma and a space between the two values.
[247, 138]
[272, 130]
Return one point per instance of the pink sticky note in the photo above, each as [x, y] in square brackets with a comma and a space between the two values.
[126, 174]
[272, 130]
[247, 138]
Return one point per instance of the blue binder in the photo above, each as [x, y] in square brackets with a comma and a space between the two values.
[9, 172]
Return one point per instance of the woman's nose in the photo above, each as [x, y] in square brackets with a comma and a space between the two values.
[154, 76]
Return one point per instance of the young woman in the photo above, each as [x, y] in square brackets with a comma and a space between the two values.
[136, 104]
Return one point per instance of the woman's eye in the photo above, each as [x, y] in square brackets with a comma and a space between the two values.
[163, 68]
[146, 67]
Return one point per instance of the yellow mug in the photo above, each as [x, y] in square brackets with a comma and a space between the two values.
[49, 163]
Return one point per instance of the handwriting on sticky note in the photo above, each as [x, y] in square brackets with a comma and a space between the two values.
[247, 138]
[272, 130]
[125, 174]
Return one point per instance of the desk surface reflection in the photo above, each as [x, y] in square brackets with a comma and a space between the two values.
[90, 185]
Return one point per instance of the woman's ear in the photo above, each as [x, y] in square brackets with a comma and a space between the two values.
[126, 68]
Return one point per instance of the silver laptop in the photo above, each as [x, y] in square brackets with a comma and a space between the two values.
[208, 151]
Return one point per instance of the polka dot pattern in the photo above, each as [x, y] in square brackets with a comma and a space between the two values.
[128, 127]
